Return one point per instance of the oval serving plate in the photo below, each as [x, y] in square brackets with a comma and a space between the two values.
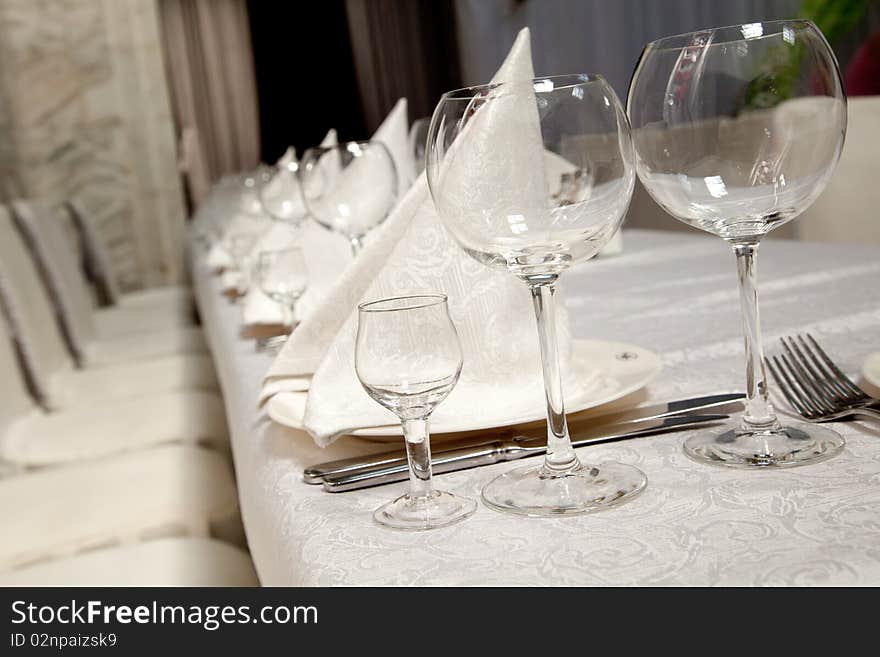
[614, 370]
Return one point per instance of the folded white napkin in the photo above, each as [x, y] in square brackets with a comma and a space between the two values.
[412, 253]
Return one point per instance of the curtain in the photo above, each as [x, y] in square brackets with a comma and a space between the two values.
[591, 36]
[211, 74]
[402, 48]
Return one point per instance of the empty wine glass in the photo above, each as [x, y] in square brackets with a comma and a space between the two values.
[737, 130]
[408, 359]
[283, 277]
[281, 197]
[349, 188]
[418, 138]
[532, 177]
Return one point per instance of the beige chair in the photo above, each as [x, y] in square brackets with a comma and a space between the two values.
[162, 562]
[30, 437]
[849, 208]
[163, 491]
[173, 303]
[49, 366]
[69, 290]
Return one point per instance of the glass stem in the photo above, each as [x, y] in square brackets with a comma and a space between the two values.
[560, 457]
[759, 414]
[356, 242]
[418, 454]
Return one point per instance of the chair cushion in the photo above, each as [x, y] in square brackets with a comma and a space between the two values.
[41, 439]
[163, 491]
[162, 562]
[73, 388]
[122, 321]
[170, 298]
[177, 340]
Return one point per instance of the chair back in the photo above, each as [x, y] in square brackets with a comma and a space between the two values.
[30, 316]
[56, 260]
[17, 401]
[95, 257]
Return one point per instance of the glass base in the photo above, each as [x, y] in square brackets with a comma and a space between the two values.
[784, 447]
[420, 513]
[534, 491]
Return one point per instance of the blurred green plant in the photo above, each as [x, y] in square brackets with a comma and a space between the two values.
[775, 81]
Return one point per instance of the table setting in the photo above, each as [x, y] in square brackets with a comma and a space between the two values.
[398, 414]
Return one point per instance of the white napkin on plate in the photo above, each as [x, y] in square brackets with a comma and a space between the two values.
[411, 254]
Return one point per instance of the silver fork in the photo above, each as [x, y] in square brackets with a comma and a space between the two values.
[817, 388]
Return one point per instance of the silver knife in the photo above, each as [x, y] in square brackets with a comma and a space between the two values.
[726, 403]
[509, 449]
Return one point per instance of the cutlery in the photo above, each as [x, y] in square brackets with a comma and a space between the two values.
[816, 388]
[511, 449]
[270, 343]
[724, 403]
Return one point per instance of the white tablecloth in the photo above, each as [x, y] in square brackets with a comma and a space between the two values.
[674, 293]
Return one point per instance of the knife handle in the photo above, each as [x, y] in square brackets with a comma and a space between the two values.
[316, 474]
[461, 458]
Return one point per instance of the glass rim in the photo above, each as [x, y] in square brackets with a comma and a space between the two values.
[343, 146]
[417, 301]
[777, 25]
[576, 80]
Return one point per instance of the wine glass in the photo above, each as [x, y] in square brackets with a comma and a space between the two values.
[418, 138]
[531, 177]
[737, 130]
[283, 277]
[408, 359]
[281, 197]
[349, 188]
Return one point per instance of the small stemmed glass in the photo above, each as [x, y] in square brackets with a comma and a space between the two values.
[350, 188]
[531, 177]
[283, 277]
[737, 130]
[408, 359]
[239, 247]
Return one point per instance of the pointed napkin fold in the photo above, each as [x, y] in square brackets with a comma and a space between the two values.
[412, 253]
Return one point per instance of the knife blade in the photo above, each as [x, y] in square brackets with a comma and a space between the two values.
[510, 449]
[721, 403]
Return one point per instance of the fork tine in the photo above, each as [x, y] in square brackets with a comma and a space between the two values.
[813, 394]
[786, 387]
[834, 393]
[842, 377]
[807, 397]
[829, 379]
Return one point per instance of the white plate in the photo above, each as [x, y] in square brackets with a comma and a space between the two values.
[871, 371]
[614, 370]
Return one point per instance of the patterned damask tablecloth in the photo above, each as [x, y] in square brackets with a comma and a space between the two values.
[674, 293]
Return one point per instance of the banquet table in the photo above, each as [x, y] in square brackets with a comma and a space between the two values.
[675, 294]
